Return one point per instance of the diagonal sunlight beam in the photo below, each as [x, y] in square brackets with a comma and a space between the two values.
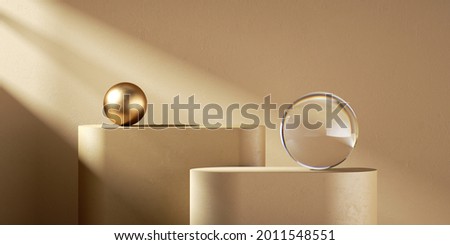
[71, 59]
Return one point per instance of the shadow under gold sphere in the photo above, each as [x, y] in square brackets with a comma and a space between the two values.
[125, 104]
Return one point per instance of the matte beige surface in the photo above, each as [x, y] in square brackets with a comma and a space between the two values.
[282, 195]
[141, 176]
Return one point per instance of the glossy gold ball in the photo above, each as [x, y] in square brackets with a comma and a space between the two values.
[125, 104]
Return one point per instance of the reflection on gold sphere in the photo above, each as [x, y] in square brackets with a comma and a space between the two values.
[125, 104]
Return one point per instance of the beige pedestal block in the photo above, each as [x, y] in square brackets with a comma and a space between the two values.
[141, 176]
[283, 195]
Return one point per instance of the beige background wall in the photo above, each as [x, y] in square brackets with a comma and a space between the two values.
[389, 59]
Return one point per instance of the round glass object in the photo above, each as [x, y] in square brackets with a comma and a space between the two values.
[319, 130]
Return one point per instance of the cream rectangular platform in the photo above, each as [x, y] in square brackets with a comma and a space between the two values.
[141, 176]
[282, 195]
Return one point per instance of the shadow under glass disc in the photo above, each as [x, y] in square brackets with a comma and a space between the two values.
[319, 130]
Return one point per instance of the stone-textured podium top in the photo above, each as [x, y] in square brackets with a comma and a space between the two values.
[280, 170]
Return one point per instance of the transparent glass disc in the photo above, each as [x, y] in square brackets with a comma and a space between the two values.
[319, 130]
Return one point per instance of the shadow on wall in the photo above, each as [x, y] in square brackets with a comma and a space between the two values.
[225, 38]
[34, 183]
[283, 48]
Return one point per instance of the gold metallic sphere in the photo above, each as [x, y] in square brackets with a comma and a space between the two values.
[125, 104]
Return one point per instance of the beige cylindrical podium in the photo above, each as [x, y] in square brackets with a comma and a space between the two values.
[141, 175]
[282, 195]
